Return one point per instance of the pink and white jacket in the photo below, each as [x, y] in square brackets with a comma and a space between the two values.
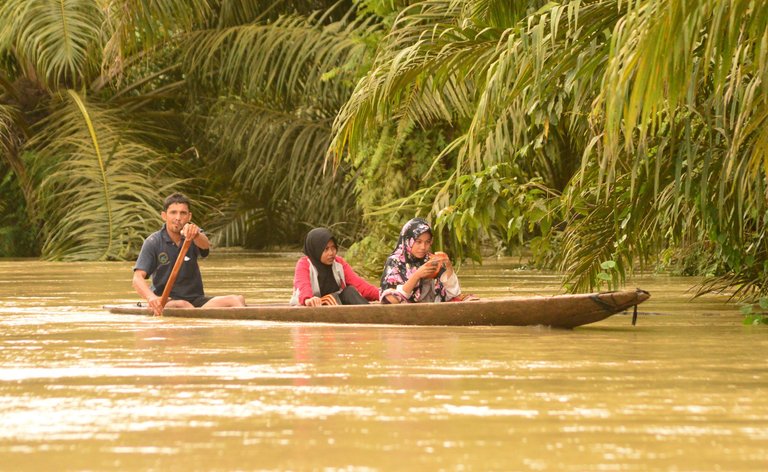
[305, 283]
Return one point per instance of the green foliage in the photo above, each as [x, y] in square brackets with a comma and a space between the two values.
[755, 313]
[17, 231]
[649, 117]
[604, 135]
[396, 163]
[278, 84]
[98, 185]
[608, 275]
[382, 8]
[494, 208]
[230, 102]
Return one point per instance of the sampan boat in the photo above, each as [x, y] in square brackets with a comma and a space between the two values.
[559, 311]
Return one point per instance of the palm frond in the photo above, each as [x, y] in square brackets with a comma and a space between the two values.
[499, 13]
[12, 137]
[547, 71]
[234, 222]
[238, 12]
[424, 73]
[59, 37]
[277, 158]
[280, 61]
[266, 141]
[102, 187]
[719, 52]
[280, 84]
[134, 28]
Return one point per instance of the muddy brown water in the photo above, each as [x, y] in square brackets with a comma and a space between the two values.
[81, 389]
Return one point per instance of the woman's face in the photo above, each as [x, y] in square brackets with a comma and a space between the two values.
[421, 245]
[329, 253]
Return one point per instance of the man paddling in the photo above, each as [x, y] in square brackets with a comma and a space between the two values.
[158, 256]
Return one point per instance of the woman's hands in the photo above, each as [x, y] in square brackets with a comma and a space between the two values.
[314, 301]
[428, 270]
[438, 261]
[448, 266]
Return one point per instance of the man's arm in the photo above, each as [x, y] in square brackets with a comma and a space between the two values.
[141, 287]
[192, 231]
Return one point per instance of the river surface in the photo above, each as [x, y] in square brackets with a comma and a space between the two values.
[81, 389]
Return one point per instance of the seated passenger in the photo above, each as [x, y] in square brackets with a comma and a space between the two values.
[412, 274]
[323, 278]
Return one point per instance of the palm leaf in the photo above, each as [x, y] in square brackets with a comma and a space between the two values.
[101, 189]
[135, 28]
[12, 136]
[281, 83]
[279, 61]
[233, 223]
[60, 37]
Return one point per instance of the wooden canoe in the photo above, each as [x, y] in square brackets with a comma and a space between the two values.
[559, 311]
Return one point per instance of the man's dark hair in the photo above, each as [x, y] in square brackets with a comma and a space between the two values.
[176, 198]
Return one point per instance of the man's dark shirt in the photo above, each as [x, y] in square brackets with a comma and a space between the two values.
[157, 257]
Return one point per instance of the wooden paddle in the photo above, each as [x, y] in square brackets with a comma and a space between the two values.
[174, 273]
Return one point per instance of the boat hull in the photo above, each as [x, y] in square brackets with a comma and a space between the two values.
[559, 311]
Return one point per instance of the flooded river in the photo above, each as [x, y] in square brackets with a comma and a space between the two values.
[81, 389]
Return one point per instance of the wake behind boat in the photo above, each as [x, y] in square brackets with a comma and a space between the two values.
[559, 311]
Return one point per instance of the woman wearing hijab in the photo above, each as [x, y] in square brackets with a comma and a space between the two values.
[414, 275]
[324, 278]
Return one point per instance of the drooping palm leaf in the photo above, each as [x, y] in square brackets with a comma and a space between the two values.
[283, 60]
[500, 88]
[102, 187]
[281, 83]
[681, 82]
[136, 28]
[234, 222]
[440, 65]
[701, 63]
[60, 38]
[13, 134]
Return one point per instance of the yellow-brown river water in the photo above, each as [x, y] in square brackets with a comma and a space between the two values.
[81, 389]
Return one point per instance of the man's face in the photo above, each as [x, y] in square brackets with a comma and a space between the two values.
[176, 216]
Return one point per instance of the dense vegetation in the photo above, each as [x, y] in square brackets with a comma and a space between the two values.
[597, 134]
